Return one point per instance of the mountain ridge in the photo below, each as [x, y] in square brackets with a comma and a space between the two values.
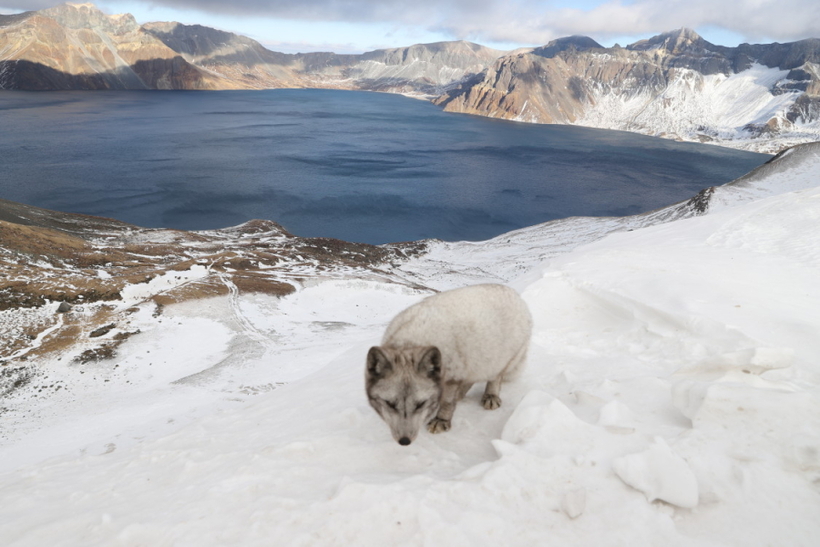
[677, 85]
[92, 50]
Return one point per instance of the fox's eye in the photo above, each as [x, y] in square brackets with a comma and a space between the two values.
[392, 405]
[419, 405]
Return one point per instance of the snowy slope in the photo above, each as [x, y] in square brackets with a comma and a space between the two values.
[794, 169]
[672, 397]
[694, 106]
[448, 265]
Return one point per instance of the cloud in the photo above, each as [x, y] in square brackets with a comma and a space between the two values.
[400, 11]
[753, 19]
[783, 20]
[528, 21]
[26, 5]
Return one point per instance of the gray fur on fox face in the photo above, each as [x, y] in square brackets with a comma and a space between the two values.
[403, 389]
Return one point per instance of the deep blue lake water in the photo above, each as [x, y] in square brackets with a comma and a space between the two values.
[358, 166]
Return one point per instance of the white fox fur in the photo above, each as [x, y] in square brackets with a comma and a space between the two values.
[434, 351]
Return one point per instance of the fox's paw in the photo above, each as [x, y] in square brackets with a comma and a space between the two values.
[438, 425]
[491, 402]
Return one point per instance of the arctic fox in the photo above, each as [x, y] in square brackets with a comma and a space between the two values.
[434, 351]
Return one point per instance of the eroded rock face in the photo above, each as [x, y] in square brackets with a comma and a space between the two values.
[79, 47]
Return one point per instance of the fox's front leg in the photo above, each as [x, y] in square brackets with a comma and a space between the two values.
[491, 399]
[446, 408]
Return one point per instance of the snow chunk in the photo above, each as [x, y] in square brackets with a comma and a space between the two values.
[660, 474]
[546, 426]
[615, 415]
[574, 503]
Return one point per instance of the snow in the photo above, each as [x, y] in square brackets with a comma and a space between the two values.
[133, 294]
[660, 474]
[672, 397]
[693, 102]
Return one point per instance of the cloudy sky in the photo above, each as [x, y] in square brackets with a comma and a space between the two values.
[360, 25]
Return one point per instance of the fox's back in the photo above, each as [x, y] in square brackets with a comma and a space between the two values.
[478, 329]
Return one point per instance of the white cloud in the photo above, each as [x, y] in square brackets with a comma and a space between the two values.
[753, 20]
[524, 21]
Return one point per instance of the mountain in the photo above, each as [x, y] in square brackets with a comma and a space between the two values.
[422, 68]
[236, 59]
[428, 69]
[672, 391]
[76, 46]
[675, 85]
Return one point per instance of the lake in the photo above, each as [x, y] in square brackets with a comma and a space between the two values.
[366, 167]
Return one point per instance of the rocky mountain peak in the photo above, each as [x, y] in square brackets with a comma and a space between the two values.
[675, 42]
[79, 16]
[577, 43]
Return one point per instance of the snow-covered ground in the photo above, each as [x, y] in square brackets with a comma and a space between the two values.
[672, 397]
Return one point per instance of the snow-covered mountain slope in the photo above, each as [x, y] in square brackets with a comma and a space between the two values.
[675, 85]
[730, 109]
[672, 397]
[794, 169]
[446, 265]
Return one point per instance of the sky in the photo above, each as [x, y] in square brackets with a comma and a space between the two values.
[355, 26]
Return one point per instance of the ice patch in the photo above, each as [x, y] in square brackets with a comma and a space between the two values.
[617, 417]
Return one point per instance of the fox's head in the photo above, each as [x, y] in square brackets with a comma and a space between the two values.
[404, 385]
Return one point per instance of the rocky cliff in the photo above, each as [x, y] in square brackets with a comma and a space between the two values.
[76, 46]
[674, 85]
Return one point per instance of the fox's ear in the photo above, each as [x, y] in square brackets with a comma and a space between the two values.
[378, 365]
[430, 363]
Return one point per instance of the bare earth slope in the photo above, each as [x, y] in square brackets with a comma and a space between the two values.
[100, 269]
